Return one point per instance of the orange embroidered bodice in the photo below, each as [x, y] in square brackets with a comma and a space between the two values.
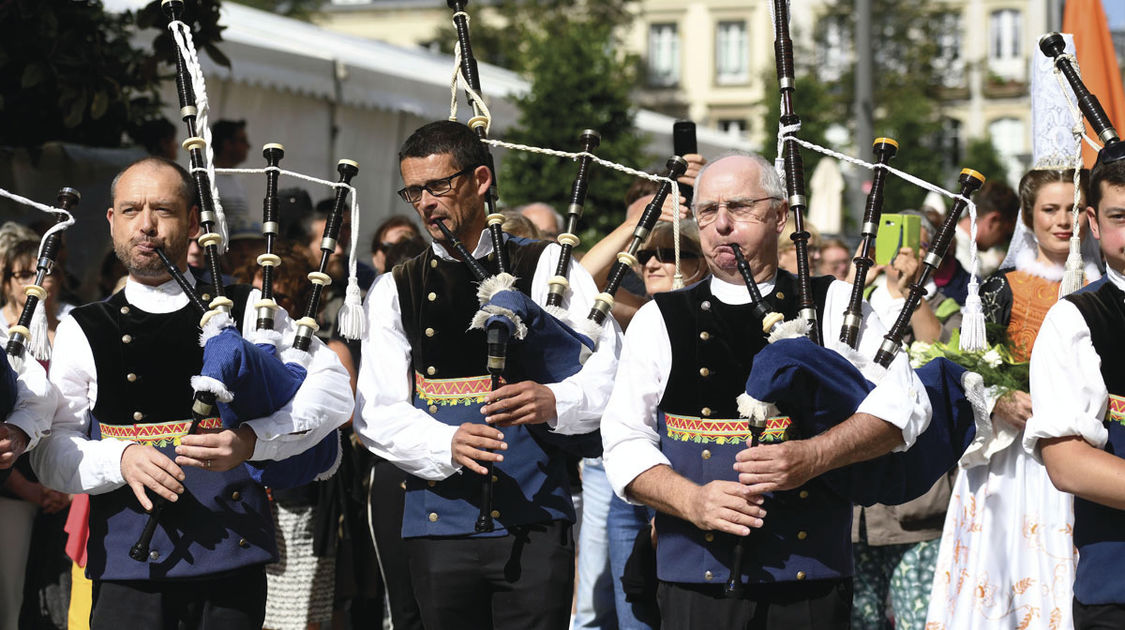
[1032, 296]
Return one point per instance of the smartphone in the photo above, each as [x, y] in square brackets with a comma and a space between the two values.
[895, 232]
[683, 142]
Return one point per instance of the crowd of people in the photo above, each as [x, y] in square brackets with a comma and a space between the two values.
[639, 531]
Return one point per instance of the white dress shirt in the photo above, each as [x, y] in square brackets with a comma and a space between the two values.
[1068, 394]
[70, 462]
[418, 443]
[629, 429]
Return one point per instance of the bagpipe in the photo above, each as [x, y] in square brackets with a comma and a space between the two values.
[1053, 45]
[820, 387]
[29, 334]
[243, 379]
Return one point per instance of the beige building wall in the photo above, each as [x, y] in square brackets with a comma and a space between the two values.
[980, 103]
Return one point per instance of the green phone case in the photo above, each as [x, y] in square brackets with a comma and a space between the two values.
[895, 232]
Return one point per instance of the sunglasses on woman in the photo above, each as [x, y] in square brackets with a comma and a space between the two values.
[664, 255]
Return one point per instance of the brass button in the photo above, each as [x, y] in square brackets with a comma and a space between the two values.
[124, 310]
[706, 454]
[433, 517]
[236, 496]
[433, 408]
[433, 263]
[432, 296]
[206, 297]
[705, 335]
[706, 305]
[431, 483]
[126, 338]
[242, 542]
[709, 537]
[706, 411]
[132, 378]
[431, 370]
[804, 494]
[154, 555]
[780, 295]
[708, 576]
[138, 416]
[704, 372]
[800, 575]
[802, 535]
[402, 484]
[495, 513]
[495, 479]
[429, 332]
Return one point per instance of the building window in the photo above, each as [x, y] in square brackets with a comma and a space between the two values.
[833, 54]
[949, 63]
[1004, 45]
[663, 55]
[951, 142]
[731, 53]
[735, 127]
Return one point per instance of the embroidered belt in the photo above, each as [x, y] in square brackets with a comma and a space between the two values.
[1115, 409]
[156, 433]
[721, 431]
[449, 392]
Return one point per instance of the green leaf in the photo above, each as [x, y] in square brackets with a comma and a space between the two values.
[74, 114]
[99, 104]
[33, 75]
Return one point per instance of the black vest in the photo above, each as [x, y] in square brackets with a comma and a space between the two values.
[144, 364]
[807, 533]
[1099, 531]
[438, 299]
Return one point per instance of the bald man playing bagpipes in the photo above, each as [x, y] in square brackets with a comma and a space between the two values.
[483, 554]
[121, 432]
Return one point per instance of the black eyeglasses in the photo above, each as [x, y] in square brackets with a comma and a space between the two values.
[664, 255]
[437, 187]
[23, 276]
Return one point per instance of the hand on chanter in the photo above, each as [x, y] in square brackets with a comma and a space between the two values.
[474, 443]
[726, 506]
[526, 402]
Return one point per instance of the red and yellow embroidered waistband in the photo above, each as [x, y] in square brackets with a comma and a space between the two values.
[155, 433]
[1115, 409]
[722, 431]
[449, 392]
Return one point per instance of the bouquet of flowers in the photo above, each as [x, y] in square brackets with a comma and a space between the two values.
[1000, 372]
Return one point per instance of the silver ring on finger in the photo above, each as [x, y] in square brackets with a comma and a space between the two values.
[207, 463]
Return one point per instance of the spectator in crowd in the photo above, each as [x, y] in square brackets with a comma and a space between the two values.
[997, 209]
[835, 259]
[787, 249]
[545, 218]
[393, 229]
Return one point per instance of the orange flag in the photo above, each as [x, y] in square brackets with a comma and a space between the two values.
[1086, 20]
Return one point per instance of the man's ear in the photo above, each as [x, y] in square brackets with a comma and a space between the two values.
[109, 219]
[482, 176]
[782, 216]
[193, 220]
[1092, 219]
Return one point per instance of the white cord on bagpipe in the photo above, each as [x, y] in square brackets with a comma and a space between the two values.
[972, 322]
[1075, 275]
[181, 33]
[481, 111]
[353, 324]
[39, 344]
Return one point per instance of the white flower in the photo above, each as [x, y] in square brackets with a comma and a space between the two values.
[919, 353]
[992, 358]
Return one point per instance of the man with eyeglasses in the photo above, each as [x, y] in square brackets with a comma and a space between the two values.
[674, 439]
[425, 405]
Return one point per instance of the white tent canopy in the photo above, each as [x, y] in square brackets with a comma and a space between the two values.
[327, 95]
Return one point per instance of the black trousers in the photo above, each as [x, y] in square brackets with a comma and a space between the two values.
[813, 605]
[387, 497]
[1098, 616]
[522, 581]
[234, 601]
